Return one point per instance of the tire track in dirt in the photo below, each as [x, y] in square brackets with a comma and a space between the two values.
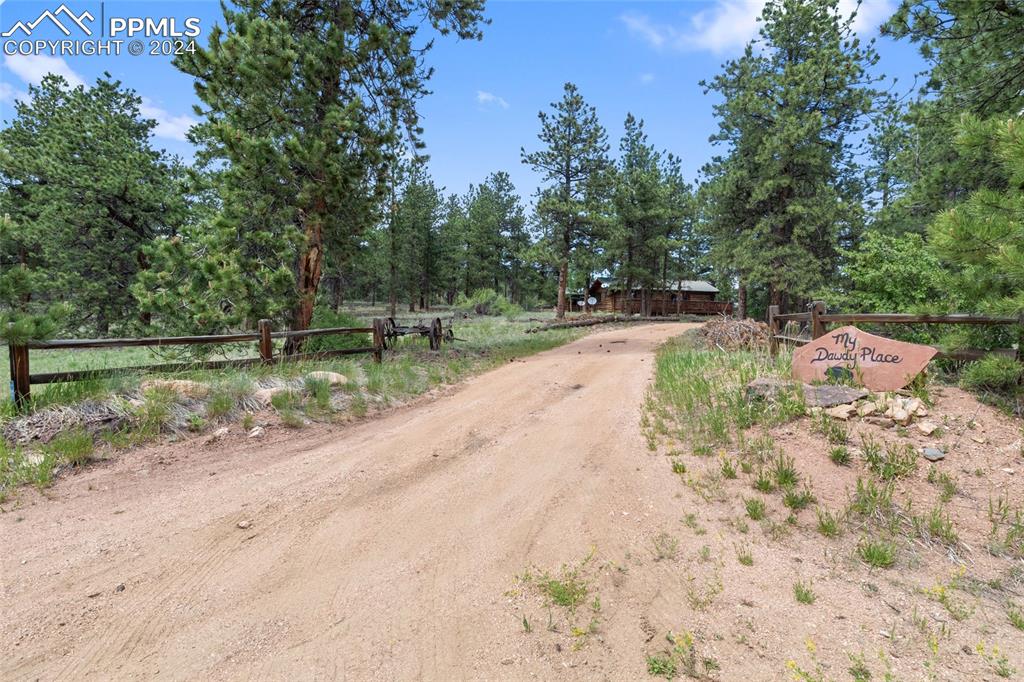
[382, 552]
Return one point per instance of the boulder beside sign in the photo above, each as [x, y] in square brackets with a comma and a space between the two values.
[873, 361]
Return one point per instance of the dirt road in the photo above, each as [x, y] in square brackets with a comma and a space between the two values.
[385, 550]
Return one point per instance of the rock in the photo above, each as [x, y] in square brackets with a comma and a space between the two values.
[901, 416]
[921, 411]
[218, 434]
[933, 454]
[927, 428]
[829, 395]
[257, 432]
[980, 440]
[183, 387]
[119, 588]
[884, 422]
[244, 524]
[866, 409]
[912, 406]
[768, 388]
[841, 412]
[332, 378]
[265, 395]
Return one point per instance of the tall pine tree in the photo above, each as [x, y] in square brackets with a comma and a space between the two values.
[787, 195]
[301, 102]
[574, 164]
[85, 193]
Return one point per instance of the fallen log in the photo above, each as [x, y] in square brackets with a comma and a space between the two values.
[591, 321]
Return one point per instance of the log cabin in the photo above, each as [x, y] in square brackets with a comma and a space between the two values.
[692, 297]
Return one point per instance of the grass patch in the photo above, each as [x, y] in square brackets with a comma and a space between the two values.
[897, 460]
[877, 553]
[871, 499]
[840, 455]
[756, 508]
[798, 499]
[1015, 616]
[665, 546]
[700, 395]
[803, 592]
[833, 430]
[936, 526]
[784, 471]
[683, 657]
[73, 447]
[947, 486]
[829, 522]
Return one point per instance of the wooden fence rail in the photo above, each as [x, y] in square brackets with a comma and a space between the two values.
[818, 318]
[22, 378]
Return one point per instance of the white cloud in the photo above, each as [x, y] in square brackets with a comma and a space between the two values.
[655, 35]
[728, 25]
[32, 68]
[8, 95]
[646, 78]
[168, 125]
[488, 99]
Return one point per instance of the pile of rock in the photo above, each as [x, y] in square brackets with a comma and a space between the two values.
[886, 410]
[849, 402]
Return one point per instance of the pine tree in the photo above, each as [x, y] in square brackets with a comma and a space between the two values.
[983, 237]
[787, 195]
[574, 162]
[976, 59]
[301, 104]
[417, 224]
[85, 193]
[641, 220]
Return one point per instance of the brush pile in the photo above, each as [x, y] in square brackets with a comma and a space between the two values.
[94, 416]
[727, 333]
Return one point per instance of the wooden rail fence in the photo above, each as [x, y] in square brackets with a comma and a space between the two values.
[817, 319]
[22, 378]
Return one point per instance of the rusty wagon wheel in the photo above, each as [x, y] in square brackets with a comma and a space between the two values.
[435, 334]
[389, 332]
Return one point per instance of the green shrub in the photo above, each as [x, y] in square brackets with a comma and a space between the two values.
[488, 302]
[324, 318]
[992, 373]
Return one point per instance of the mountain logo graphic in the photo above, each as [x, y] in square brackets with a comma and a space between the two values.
[77, 20]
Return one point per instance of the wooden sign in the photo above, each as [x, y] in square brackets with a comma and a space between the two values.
[872, 361]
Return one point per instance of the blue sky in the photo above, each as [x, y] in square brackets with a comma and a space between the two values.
[641, 57]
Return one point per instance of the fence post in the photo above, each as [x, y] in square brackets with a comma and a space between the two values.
[817, 326]
[773, 330]
[266, 343]
[378, 339]
[1020, 338]
[20, 387]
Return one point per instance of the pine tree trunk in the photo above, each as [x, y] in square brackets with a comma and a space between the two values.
[563, 280]
[742, 302]
[308, 281]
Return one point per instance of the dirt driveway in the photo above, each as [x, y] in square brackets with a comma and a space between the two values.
[381, 551]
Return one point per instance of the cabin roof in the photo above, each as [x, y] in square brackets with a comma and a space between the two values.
[686, 285]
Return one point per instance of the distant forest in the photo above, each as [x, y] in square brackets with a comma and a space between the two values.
[311, 188]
